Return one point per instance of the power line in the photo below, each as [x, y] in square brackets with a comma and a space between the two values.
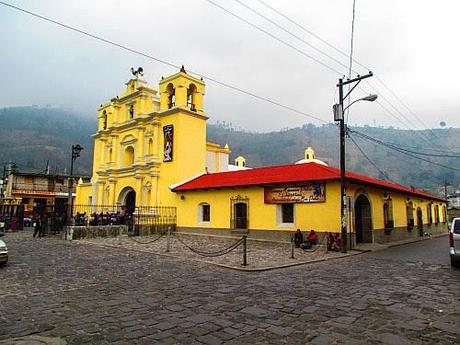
[351, 60]
[311, 33]
[410, 151]
[291, 33]
[400, 150]
[274, 37]
[164, 62]
[370, 160]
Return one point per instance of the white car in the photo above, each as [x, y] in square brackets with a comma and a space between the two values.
[454, 242]
[3, 252]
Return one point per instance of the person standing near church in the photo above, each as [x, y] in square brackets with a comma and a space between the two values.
[38, 226]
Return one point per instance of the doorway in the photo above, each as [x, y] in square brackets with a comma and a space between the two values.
[241, 215]
[363, 220]
[420, 221]
[127, 198]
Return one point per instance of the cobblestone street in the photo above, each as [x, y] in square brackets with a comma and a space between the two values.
[87, 294]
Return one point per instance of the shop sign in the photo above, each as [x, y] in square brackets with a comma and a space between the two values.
[305, 193]
[33, 192]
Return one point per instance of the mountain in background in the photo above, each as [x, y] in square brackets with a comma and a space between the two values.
[31, 136]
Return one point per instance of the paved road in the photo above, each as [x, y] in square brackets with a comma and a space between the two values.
[435, 251]
[84, 294]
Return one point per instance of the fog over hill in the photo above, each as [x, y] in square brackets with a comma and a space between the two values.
[31, 136]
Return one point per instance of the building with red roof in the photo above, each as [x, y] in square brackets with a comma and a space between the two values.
[272, 202]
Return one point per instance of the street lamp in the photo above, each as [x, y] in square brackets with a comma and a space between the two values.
[339, 111]
[76, 149]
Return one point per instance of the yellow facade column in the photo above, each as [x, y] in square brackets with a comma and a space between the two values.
[139, 190]
[112, 196]
[140, 145]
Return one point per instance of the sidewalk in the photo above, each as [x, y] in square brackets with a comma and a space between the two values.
[371, 247]
[261, 255]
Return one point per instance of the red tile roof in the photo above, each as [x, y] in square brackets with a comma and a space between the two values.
[293, 173]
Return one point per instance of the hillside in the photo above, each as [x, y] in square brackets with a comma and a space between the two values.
[30, 136]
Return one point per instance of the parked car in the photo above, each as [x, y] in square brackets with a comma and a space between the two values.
[454, 242]
[3, 252]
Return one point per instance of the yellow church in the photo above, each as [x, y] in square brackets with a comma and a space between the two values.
[151, 150]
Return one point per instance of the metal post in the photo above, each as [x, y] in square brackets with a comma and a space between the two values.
[341, 120]
[245, 251]
[168, 242]
[292, 246]
[70, 191]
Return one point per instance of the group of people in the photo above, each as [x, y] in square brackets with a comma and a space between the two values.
[334, 242]
[308, 242]
[102, 218]
[43, 223]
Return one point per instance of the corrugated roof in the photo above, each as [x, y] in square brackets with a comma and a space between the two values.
[293, 173]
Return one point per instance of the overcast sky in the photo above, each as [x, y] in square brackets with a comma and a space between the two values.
[411, 45]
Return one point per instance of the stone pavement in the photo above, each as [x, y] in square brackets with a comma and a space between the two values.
[87, 294]
[261, 255]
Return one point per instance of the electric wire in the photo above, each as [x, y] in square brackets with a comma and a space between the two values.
[164, 62]
[384, 174]
[291, 33]
[303, 28]
[410, 151]
[274, 37]
[402, 151]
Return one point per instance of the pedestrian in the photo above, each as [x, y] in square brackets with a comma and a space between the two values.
[298, 238]
[311, 239]
[37, 226]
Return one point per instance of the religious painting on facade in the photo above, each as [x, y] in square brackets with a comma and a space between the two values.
[168, 134]
[305, 193]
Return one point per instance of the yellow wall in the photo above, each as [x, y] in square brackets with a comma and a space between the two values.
[319, 216]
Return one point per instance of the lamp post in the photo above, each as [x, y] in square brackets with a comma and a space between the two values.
[339, 112]
[76, 149]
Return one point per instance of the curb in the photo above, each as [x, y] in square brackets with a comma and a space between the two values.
[241, 269]
[417, 240]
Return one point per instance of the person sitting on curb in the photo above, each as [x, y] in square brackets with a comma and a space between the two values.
[311, 239]
[298, 238]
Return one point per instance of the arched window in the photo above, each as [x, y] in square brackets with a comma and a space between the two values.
[436, 214]
[150, 147]
[204, 213]
[410, 215]
[131, 111]
[388, 214]
[129, 156]
[104, 120]
[429, 216]
[110, 155]
[171, 95]
[191, 92]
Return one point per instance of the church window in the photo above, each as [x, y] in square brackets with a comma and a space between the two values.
[110, 155]
[171, 96]
[150, 147]
[104, 120]
[131, 111]
[191, 92]
[204, 212]
[129, 156]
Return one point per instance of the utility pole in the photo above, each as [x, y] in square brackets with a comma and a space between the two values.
[445, 189]
[339, 112]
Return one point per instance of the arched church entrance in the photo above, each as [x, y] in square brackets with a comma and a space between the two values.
[127, 198]
[363, 220]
